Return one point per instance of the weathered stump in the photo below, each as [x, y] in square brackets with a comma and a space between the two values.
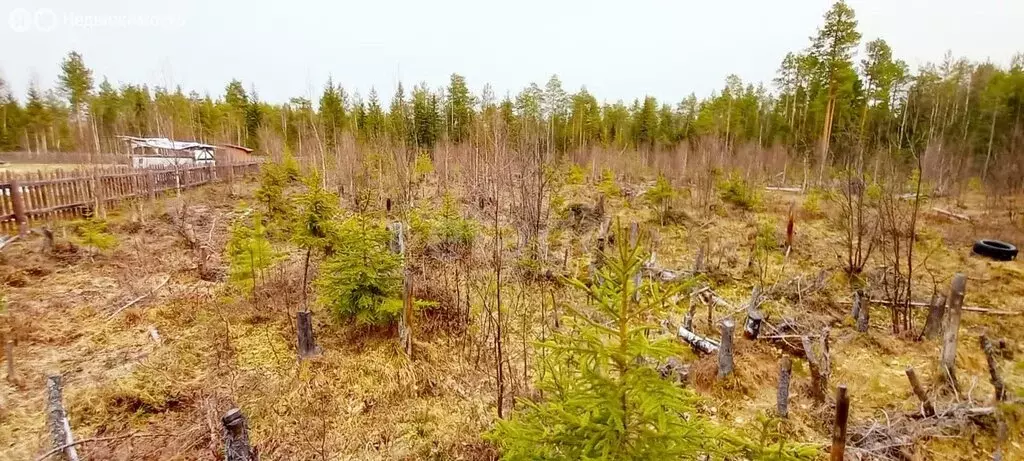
[915, 384]
[57, 418]
[782, 396]
[951, 329]
[9, 357]
[936, 310]
[405, 321]
[698, 261]
[752, 326]
[863, 318]
[236, 437]
[688, 319]
[725, 363]
[993, 368]
[307, 341]
[839, 428]
[818, 364]
[397, 242]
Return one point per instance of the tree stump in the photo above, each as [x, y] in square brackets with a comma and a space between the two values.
[307, 342]
[688, 319]
[818, 365]
[936, 310]
[839, 428]
[993, 368]
[950, 330]
[860, 303]
[405, 321]
[725, 364]
[9, 356]
[236, 437]
[915, 384]
[57, 418]
[397, 243]
[752, 326]
[782, 396]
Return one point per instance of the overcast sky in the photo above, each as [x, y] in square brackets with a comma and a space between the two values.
[618, 49]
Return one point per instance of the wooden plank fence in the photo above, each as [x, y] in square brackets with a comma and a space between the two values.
[30, 199]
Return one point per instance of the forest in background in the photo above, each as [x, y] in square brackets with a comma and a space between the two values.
[845, 100]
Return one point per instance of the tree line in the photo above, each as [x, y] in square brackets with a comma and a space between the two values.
[840, 101]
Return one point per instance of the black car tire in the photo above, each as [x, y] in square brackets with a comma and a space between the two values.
[1000, 251]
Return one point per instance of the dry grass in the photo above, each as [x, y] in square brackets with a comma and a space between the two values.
[362, 399]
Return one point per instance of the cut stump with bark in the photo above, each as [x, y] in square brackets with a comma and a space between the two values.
[236, 437]
[307, 341]
[725, 363]
[839, 427]
[915, 384]
[782, 396]
[936, 311]
[951, 329]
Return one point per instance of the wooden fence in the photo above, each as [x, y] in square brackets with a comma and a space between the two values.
[28, 199]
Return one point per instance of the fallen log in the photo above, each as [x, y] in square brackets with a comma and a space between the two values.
[698, 342]
[978, 309]
[57, 418]
[140, 298]
[7, 241]
[784, 189]
[951, 214]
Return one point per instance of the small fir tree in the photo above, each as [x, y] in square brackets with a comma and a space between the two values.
[660, 196]
[93, 235]
[250, 252]
[363, 279]
[604, 398]
[315, 226]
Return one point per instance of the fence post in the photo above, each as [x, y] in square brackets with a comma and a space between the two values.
[18, 201]
[151, 184]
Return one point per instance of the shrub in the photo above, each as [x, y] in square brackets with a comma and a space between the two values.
[660, 196]
[290, 167]
[576, 175]
[453, 232]
[363, 279]
[608, 186]
[734, 190]
[273, 179]
[812, 202]
[422, 167]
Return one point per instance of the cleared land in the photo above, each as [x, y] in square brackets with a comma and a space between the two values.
[362, 399]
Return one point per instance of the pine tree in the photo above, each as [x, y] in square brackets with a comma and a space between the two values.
[833, 49]
[76, 85]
